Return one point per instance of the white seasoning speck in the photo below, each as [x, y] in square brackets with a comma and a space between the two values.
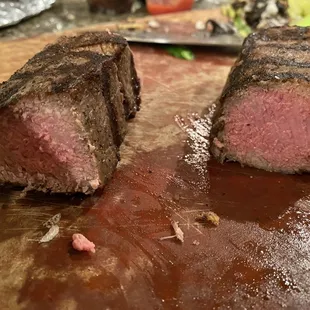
[153, 23]
[51, 234]
[200, 25]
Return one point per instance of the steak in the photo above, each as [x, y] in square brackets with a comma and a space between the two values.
[262, 118]
[63, 115]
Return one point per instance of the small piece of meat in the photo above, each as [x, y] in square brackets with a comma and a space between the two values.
[208, 217]
[81, 243]
[63, 115]
[262, 117]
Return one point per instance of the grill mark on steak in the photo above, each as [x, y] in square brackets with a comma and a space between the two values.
[87, 39]
[66, 46]
[255, 62]
[253, 65]
[100, 42]
[11, 92]
[297, 39]
[278, 53]
[282, 34]
[285, 47]
[245, 75]
[113, 120]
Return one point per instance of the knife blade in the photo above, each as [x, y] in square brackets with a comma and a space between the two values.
[196, 39]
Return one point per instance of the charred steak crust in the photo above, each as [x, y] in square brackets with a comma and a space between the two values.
[85, 86]
[255, 64]
[108, 45]
[269, 58]
[92, 43]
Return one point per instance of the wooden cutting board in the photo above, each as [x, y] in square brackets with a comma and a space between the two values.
[257, 258]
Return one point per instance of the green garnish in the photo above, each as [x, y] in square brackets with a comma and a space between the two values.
[243, 29]
[305, 22]
[299, 12]
[181, 52]
[238, 19]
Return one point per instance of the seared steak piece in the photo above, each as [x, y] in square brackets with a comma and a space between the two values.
[262, 118]
[63, 117]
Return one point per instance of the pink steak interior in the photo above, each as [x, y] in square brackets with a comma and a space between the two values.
[45, 146]
[270, 129]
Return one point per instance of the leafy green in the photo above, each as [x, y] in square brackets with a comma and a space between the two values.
[241, 26]
[299, 12]
[227, 10]
[305, 22]
[238, 19]
[181, 52]
[298, 8]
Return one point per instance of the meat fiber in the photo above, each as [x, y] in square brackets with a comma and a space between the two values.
[262, 118]
[63, 115]
[81, 243]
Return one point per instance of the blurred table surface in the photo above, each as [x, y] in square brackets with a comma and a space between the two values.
[68, 14]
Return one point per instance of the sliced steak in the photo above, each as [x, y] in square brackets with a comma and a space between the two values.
[63, 120]
[262, 118]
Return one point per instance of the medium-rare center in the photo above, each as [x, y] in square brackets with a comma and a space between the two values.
[262, 118]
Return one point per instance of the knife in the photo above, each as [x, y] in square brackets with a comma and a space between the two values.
[196, 39]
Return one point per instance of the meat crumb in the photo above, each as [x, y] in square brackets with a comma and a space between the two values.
[108, 31]
[81, 243]
[218, 143]
[208, 217]
[176, 197]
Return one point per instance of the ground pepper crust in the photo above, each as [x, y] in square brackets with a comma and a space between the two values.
[109, 44]
[61, 72]
[47, 63]
[87, 39]
[269, 58]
